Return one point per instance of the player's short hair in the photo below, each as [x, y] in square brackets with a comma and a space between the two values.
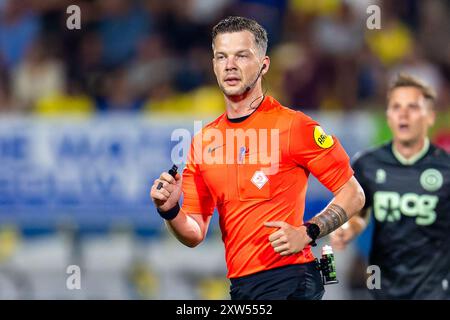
[237, 24]
[407, 80]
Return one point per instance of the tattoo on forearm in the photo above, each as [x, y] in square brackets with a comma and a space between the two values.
[330, 219]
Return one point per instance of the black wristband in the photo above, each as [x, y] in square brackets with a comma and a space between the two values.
[171, 213]
[313, 231]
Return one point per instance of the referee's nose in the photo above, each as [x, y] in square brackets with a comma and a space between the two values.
[231, 64]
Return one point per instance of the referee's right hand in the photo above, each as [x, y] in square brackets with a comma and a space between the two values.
[168, 196]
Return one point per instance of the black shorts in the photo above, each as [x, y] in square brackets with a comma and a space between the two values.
[293, 282]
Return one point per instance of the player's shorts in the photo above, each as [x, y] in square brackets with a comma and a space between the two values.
[293, 282]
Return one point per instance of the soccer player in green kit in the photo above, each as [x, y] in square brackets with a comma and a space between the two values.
[407, 187]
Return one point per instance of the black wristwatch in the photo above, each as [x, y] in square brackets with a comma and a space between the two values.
[313, 231]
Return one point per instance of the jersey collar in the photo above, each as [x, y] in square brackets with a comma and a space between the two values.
[267, 104]
[414, 158]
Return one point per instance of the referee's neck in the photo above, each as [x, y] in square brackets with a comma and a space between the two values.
[244, 105]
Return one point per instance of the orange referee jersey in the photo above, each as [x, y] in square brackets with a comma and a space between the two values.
[261, 177]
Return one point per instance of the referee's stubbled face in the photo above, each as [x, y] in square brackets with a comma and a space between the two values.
[236, 62]
[409, 115]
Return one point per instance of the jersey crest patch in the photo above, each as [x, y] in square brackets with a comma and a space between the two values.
[259, 179]
[431, 180]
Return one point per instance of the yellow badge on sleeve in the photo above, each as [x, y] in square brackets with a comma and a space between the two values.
[322, 139]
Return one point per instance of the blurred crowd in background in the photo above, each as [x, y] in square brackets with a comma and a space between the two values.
[155, 56]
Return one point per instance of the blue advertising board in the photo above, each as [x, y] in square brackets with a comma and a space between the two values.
[96, 172]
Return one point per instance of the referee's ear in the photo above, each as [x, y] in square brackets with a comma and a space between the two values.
[265, 65]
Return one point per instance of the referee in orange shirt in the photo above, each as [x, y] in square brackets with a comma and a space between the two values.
[260, 198]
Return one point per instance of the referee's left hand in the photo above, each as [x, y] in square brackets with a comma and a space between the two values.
[287, 239]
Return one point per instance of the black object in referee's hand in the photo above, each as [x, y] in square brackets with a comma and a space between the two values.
[172, 172]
